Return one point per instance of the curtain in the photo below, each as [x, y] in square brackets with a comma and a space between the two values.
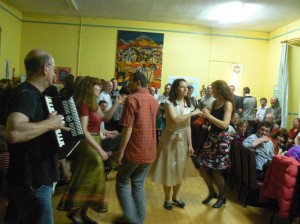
[283, 85]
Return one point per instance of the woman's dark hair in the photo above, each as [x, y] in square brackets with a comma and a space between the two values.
[173, 94]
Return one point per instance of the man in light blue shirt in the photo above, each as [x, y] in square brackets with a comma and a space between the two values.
[262, 145]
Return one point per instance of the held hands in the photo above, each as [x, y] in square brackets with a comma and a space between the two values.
[196, 112]
[57, 122]
[205, 112]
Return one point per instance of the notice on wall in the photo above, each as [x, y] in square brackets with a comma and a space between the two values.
[237, 69]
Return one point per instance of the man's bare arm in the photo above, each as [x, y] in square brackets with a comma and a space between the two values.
[20, 129]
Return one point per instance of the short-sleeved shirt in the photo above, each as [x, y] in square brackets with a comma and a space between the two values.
[35, 162]
[94, 118]
[140, 111]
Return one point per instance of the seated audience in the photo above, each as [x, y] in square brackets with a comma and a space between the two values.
[239, 136]
[264, 148]
[293, 132]
[297, 140]
[274, 109]
[271, 118]
[233, 124]
[279, 139]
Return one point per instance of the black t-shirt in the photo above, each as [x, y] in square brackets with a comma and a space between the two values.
[32, 163]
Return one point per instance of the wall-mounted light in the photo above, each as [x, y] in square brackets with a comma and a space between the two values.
[72, 4]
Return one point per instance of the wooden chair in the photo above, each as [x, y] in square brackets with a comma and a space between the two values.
[254, 185]
[245, 174]
[236, 167]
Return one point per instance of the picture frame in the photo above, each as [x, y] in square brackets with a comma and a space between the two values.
[61, 73]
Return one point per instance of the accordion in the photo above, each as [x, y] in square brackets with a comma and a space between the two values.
[66, 140]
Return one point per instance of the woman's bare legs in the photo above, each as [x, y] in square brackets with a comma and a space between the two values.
[167, 190]
[176, 191]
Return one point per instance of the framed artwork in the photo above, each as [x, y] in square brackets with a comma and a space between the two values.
[139, 51]
[61, 73]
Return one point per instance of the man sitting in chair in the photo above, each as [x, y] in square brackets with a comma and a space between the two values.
[264, 148]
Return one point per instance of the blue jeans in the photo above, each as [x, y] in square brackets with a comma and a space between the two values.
[132, 199]
[32, 205]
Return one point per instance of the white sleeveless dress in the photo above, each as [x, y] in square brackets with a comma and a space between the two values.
[173, 164]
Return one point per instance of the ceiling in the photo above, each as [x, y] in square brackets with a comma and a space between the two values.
[271, 15]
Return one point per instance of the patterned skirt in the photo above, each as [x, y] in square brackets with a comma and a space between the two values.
[215, 152]
[87, 184]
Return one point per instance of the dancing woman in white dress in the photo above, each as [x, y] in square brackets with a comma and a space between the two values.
[175, 146]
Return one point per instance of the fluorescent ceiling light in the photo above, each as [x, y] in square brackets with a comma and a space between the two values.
[232, 12]
[72, 4]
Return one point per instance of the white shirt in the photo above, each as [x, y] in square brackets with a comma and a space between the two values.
[261, 112]
[105, 96]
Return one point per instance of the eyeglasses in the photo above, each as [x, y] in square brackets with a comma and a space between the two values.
[54, 68]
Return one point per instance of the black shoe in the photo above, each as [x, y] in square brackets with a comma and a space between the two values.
[168, 205]
[75, 219]
[219, 203]
[209, 197]
[178, 203]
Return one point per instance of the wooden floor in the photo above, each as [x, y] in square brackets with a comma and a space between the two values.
[192, 192]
